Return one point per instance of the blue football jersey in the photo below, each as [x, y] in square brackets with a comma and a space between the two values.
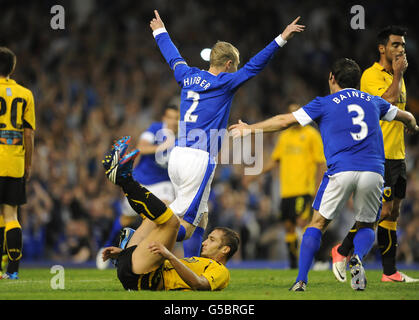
[148, 171]
[348, 121]
[205, 98]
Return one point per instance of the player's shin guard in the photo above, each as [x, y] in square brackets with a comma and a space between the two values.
[13, 236]
[348, 243]
[192, 246]
[309, 247]
[387, 242]
[145, 203]
[363, 241]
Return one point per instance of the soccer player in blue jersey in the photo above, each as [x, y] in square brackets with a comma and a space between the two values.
[348, 120]
[206, 97]
[151, 171]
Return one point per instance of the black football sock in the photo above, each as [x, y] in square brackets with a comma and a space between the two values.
[144, 202]
[13, 236]
[291, 240]
[387, 243]
[348, 243]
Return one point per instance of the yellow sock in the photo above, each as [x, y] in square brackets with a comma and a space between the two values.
[390, 225]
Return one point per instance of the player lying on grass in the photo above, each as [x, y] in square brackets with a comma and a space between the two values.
[144, 259]
[348, 120]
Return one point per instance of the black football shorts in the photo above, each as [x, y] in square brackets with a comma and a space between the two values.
[294, 207]
[12, 191]
[132, 281]
[395, 179]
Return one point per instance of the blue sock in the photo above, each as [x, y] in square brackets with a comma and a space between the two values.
[309, 247]
[363, 241]
[116, 227]
[192, 246]
[181, 234]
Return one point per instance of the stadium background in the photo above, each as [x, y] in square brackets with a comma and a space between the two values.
[103, 77]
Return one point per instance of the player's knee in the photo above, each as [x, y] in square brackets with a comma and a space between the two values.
[9, 213]
[395, 212]
[319, 222]
[386, 209]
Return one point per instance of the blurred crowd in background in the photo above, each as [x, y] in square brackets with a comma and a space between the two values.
[103, 77]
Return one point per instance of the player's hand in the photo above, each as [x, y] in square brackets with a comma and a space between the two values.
[412, 129]
[156, 22]
[292, 28]
[241, 129]
[110, 253]
[158, 248]
[400, 64]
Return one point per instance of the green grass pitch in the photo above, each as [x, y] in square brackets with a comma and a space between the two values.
[252, 284]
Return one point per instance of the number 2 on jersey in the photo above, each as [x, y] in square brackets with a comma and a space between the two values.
[358, 120]
[189, 117]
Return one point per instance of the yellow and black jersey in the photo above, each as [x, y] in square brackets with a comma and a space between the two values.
[299, 150]
[375, 81]
[17, 111]
[216, 273]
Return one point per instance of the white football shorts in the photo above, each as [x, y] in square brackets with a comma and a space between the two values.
[163, 190]
[191, 172]
[335, 191]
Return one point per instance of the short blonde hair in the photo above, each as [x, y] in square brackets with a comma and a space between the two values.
[223, 51]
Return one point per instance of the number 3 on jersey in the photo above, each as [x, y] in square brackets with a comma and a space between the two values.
[358, 120]
[189, 117]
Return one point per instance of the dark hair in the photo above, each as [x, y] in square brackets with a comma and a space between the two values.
[170, 107]
[7, 61]
[231, 239]
[384, 35]
[347, 73]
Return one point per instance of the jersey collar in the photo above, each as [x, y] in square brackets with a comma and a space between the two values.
[7, 81]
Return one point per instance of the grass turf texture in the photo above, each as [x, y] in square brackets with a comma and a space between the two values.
[261, 284]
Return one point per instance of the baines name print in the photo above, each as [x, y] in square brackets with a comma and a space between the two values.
[198, 310]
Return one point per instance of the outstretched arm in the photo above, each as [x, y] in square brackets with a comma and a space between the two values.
[193, 280]
[408, 119]
[261, 59]
[277, 123]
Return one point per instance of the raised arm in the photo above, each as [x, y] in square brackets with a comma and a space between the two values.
[393, 92]
[277, 123]
[261, 59]
[167, 48]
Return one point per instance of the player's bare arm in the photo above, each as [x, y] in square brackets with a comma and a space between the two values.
[111, 253]
[399, 65]
[28, 144]
[408, 119]
[291, 29]
[191, 279]
[277, 123]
